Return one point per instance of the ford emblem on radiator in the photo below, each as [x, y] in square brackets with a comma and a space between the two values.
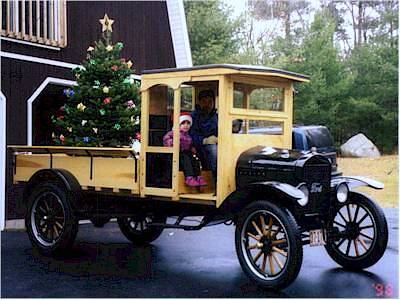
[316, 187]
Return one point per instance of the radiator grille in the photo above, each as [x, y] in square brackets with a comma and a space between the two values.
[317, 176]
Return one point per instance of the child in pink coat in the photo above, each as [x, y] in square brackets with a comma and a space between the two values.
[187, 160]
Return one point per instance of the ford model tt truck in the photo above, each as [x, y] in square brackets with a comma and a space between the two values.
[279, 199]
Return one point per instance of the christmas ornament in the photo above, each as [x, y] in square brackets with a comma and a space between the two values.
[69, 129]
[106, 89]
[68, 92]
[117, 126]
[129, 64]
[90, 49]
[119, 45]
[130, 104]
[81, 106]
[107, 101]
[138, 136]
[62, 138]
[109, 48]
[53, 135]
[84, 122]
[102, 112]
[97, 82]
[114, 68]
[107, 23]
[60, 117]
[92, 62]
[95, 130]
[86, 139]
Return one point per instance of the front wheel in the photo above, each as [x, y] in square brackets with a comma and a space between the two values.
[268, 245]
[137, 229]
[362, 233]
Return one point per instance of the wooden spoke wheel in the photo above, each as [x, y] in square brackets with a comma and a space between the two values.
[50, 223]
[268, 245]
[363, 233]
[137, 228]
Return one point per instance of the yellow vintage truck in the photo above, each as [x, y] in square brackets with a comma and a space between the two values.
[278, 198]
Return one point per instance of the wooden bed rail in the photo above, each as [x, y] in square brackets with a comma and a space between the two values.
[79, 151]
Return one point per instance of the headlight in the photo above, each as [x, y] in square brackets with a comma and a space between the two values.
[342, 192]
[303, 201]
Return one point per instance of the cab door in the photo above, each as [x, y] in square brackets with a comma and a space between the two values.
[159, 163]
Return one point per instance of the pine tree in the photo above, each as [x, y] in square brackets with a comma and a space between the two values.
[103, 109]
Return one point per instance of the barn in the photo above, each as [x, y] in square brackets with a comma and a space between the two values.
[42, 40]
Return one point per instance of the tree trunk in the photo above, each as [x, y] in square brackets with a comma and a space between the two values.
[360, 22]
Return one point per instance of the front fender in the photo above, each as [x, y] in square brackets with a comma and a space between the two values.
[237, 200]
[357, 181]
[280, 187]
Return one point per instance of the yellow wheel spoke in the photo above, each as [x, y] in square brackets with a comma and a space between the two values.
[277, 242]
[362, 243]
[268, 233]
[254, 246]
[264, 263]
[59, 224]
[280, 251]
[264, 231]
[257, 257]
[271, 265]
[256, 227]
[253, 236]
[356, 247]
[56, 230]
[277, 260]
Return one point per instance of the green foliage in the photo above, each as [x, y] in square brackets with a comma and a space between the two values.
[104, 108]
[211, 32]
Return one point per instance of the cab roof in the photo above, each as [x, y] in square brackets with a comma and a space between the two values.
[226, 69]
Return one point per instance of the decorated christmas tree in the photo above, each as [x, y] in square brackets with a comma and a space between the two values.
[103, 109]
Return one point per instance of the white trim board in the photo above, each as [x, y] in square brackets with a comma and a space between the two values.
[46, 61]
[3, 124]
[39, 60]
[179, 33]
[35, 95]
[30, 43]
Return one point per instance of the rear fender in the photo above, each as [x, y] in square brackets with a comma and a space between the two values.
[60, 176]
[281, 193]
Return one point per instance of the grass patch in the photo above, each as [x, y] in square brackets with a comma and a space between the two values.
[384, 169]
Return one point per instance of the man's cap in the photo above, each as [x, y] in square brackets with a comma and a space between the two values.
[206, 93]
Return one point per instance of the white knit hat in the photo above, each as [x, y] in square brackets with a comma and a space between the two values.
[185, 117]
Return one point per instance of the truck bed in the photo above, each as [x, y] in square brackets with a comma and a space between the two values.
[94, 168]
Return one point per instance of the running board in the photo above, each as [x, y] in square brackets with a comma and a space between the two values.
[205, 220]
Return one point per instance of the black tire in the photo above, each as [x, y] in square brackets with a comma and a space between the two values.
[363, 233]
[50, 220]
[136, 228]
[99, 221]
[280, 239]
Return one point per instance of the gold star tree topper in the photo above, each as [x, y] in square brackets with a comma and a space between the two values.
[107, 23]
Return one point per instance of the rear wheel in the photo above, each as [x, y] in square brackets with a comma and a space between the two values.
[50, 221]
[137, 228]
[268, 245]
[363, 233]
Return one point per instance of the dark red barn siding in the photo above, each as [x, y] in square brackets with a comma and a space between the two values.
[142, 26]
